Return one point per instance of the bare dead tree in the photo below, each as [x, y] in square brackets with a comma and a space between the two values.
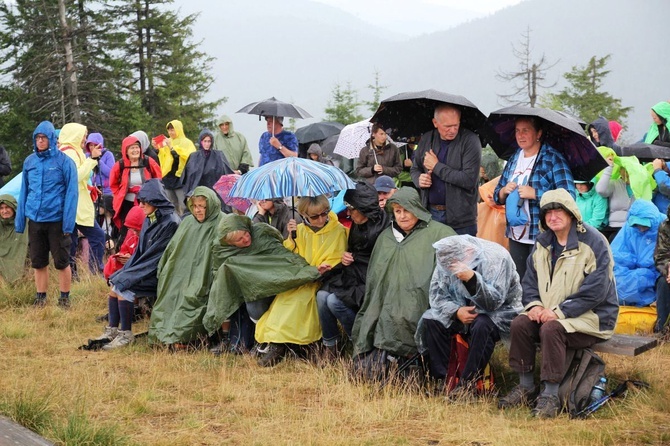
[70, 67]
[530, 75]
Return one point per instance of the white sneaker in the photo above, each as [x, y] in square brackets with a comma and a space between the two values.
[124, 338]
[110, 333]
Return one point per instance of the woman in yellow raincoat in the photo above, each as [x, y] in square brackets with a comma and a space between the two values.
[293, 317]
[173, 156]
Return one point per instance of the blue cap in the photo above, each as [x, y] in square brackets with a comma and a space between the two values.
[384, 184]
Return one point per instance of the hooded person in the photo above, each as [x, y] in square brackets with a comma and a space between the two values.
[133, 223]
[128, 175]
[315, 149]
[490, 167]
[145, 145]
[204, 166]
[173, 156]
[659, 133]
[593, 207]
[569, 299]
[139, 276]
[615, 128]
[233, 145]
[601, 134]
[343, 287]
[662, 262]
[48, 205]
[105, 163]
[185, 273]
[13, 246]
[475, 291]
[633, 251]
[397, 285]
[71, 140]
[251, 266]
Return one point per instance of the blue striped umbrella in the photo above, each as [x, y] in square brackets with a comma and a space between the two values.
[291, 177]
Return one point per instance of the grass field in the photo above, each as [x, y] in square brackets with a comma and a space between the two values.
[145, 396]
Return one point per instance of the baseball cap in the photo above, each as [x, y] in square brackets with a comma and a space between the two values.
[384, 184]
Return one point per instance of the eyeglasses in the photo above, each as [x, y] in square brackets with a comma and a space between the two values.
[323, 214]
[38, 137]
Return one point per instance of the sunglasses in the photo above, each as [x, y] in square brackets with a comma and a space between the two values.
[323, 214]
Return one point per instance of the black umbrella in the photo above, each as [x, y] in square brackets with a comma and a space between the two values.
[318, 131]
[328, 145]
[644, 151]
[561, 131]
[273, 107]
[411, 114]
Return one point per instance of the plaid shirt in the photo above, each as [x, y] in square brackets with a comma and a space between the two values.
[551, 171]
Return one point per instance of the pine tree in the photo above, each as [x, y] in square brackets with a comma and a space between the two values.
[584, 96]
[343, 107]
[377, 90]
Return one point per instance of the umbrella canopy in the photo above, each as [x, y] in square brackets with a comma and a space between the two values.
[411, 114]
[274, 107]
[644, 151]
[223, 187]
[328, 144]
[560, 131]
[291, 177]
[318, 131]
[353, 138]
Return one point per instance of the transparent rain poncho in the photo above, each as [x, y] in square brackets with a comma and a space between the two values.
[498, 291]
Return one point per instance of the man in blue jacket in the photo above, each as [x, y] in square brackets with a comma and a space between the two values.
[48, 199]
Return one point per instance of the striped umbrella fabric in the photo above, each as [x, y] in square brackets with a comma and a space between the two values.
[291, 177]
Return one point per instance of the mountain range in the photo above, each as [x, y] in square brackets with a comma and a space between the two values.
[298, 50]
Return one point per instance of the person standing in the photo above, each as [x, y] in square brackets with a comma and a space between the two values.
[569, 299]
[378, 157]
[533, 170]
[71, 141]
[5, 165]
[276, 143]
[48, 200]
[173, 156]
[446, 171]
[233, 145]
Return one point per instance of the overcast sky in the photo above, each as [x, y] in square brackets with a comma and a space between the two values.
[415, 17]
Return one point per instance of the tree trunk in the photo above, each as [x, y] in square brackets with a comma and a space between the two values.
[70, 68]
[150, 65]
[140, 53]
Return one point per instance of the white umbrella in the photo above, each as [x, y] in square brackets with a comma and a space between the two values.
[353, 138]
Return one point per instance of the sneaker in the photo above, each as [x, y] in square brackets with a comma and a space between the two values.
[124, 338]
[274, 355]
[259, 350]
[64, 302]
[547, 406]
[40, 302]
[518, 396]
[109, 334]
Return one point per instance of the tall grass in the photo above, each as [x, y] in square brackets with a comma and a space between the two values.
[145, 396]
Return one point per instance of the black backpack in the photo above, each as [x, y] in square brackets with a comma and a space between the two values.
[584, 368]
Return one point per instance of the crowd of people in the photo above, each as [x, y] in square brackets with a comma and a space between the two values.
[390, 279]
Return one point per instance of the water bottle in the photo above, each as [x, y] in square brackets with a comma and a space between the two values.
[599, 390]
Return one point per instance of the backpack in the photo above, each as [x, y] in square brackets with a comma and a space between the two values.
[584, 368]
[457, 360]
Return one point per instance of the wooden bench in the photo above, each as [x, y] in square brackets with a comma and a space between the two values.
[626, 345]
[15, 434]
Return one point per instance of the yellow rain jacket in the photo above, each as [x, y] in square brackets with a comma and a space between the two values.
[181, 144]
[69, 142]
[292, 317]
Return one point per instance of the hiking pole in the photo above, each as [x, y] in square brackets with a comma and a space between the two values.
[404, 366]
[620, 390]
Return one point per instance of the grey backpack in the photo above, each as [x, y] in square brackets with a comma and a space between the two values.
[584, 368]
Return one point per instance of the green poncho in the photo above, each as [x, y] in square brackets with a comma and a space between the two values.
[13, 246]
[242, 275]
[185, 276]
[398, 282]
[662, 109]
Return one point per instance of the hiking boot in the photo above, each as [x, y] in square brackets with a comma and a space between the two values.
[64, 302]
[518, 396]
[259, 350]
[274, 355]
[547, 406]
[109, 334]
[124, 338]
[40, 302]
